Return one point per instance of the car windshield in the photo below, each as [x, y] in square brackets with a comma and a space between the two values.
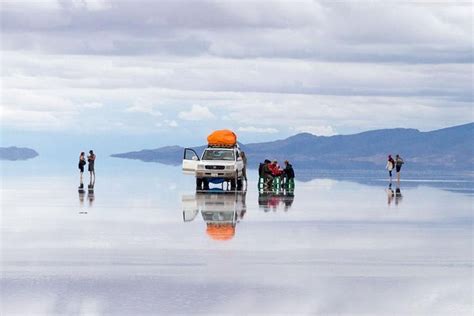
[218, 154]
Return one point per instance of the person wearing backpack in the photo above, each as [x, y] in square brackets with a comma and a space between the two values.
[398, 165]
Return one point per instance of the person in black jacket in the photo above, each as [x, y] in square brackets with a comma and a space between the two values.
[266, 173]
[91, 160]
[80, 165]
[288, 172]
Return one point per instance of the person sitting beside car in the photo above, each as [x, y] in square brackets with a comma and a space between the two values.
[267, 172]
[275, 169]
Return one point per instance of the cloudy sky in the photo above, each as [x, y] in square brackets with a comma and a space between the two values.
[150, 73]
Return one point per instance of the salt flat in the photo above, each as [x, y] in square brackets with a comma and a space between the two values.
[140, 244]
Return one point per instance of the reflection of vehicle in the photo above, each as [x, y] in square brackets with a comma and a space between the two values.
[273, 200]
[218, 163]
[221, 210]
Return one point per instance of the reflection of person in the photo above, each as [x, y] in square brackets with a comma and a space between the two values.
[398, 195]
[398, 165]
[272, 201]
[288, 200]
[80, 165]
[91, 197]
[81, 197]
[390, 165]
[244, 206]
[91, 168]
[263, 198]
[390, 194]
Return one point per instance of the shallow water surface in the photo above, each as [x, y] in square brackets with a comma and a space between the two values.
[144, 242]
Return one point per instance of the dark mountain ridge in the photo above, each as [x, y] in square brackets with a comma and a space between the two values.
[450, 147]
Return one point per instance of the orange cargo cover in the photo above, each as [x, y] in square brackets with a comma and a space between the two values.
[223, 137]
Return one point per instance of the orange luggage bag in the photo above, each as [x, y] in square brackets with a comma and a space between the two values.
[222, 137]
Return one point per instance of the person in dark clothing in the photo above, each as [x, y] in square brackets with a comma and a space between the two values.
[244, 169]
[260, 169]
[398, 165]
[91, 167]
[80, 165]
[267, 173]
[289, 172]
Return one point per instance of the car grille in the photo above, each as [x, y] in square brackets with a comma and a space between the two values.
[215, 167]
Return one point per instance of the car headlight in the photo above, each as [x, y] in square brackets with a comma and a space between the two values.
[200, 167]
[229, 167]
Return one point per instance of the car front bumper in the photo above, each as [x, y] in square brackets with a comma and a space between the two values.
[226, 174]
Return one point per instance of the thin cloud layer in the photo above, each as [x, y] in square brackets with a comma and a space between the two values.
[318, 66]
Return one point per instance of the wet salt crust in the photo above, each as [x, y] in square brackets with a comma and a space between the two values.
[140, 245]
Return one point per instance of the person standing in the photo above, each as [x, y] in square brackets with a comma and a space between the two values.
[390, 165]
[398, 165]
[91, 168]
[244, 169]
[289, 174]
[80, 165]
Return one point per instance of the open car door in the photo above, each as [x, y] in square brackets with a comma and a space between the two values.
[190, 161]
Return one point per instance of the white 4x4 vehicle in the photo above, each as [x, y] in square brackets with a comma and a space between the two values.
[216, 165]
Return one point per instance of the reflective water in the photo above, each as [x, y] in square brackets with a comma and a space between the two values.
[144, 242]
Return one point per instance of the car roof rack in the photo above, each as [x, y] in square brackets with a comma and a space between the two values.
[221, 146]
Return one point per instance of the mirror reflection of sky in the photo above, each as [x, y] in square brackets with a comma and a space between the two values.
[141, 244]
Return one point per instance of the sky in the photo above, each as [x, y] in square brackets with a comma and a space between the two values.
[127, 75]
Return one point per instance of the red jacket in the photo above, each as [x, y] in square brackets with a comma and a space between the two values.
[275, 169]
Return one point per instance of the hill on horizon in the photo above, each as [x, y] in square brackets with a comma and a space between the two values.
[450, 148]
[17, 153]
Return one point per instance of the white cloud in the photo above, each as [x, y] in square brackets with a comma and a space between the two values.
[172, 123]
[143, 106]
[167, 123]
[316, 130]
[297, 66]
[197, 113]
[95, 5]
[92, 105]
[253, 129]
[37, 120]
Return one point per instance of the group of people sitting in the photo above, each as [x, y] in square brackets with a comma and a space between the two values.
[270, 171]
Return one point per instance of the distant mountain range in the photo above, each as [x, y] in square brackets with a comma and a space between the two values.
[449, 148]
[16, 153]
